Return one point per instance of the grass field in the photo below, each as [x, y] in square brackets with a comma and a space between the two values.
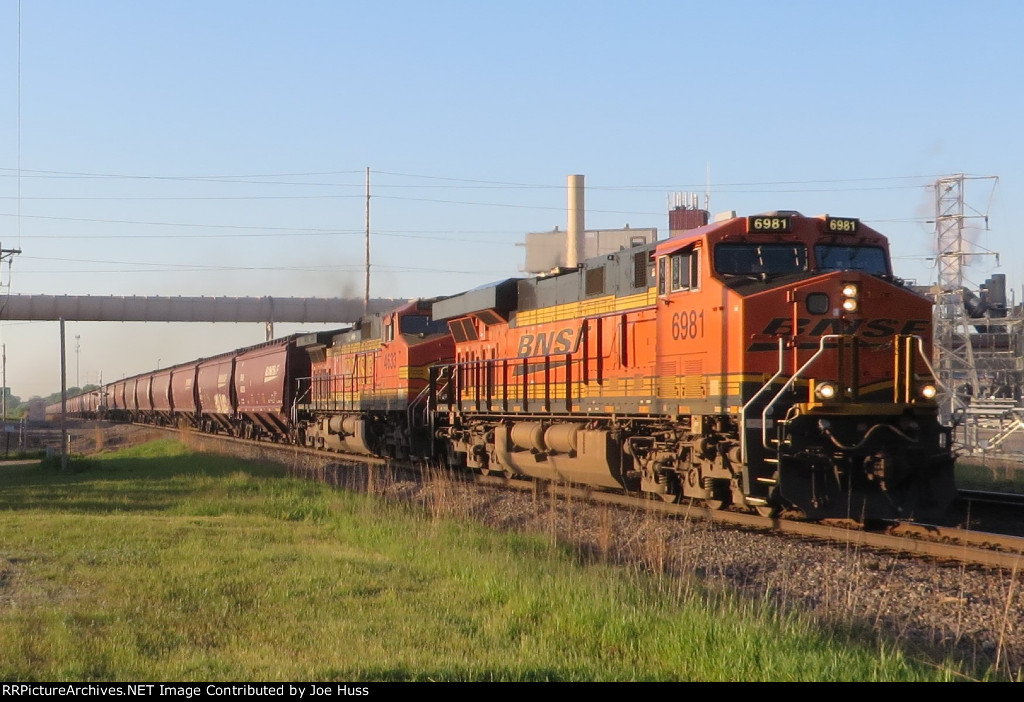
[996, 476]
[157, 563]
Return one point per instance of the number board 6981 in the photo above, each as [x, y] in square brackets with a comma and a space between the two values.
[688, 324]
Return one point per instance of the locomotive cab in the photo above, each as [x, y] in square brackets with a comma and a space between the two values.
[827, 383]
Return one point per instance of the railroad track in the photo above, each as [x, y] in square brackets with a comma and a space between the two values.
[938, 542]
[1003, 499]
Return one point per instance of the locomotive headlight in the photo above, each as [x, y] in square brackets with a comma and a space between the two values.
[929, 391]
[851, 293]
[825, 391]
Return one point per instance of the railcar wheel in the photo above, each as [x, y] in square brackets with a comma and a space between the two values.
[667, 487]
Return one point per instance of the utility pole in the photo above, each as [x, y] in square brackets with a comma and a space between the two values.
[7, 435]
[366, 294]
[7, 255]
[63, 403]
[78, 364]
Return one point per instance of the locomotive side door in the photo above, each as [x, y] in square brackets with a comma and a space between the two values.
[685, 326]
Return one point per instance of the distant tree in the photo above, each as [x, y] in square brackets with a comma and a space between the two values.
[13, 402]
[73, 391]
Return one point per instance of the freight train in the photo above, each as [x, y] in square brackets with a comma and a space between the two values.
[770, 362]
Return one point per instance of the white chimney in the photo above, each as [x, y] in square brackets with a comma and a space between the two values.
[576, 228]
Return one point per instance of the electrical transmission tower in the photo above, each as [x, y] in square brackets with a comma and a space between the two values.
[954, 352]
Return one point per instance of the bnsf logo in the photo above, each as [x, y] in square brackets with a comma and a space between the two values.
[868, 328]
[548, 343]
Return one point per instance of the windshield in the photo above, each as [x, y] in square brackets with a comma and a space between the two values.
[423, 325]
[844, 258]
[755, 259]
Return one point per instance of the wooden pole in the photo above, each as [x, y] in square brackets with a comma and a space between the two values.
[63, 402]
[366, 294]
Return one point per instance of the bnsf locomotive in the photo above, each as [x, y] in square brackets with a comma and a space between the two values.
[767, 362]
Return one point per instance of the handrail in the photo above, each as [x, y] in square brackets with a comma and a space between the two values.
[789, 383]
[743, 411]
[924, 357]
[424, 393]
[299, 395]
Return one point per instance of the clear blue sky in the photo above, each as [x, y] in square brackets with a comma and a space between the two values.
[219, 147]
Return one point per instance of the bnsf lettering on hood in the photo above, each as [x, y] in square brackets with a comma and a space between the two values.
[548, 343]
[868, 328]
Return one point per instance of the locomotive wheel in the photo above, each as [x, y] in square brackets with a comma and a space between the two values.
[769, 511]
[719, 491]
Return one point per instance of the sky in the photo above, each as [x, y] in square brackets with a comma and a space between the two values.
[220, 147]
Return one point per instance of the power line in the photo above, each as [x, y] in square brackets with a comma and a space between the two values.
[169, 267]
[272, 269]
[101, 198]
[699, 186]
[246, 179]
[130, 176]
[160, 237]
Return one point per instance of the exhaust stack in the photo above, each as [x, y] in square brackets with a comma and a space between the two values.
[577, 227]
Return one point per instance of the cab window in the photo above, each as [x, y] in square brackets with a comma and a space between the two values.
[871, 259]
[757, 259]
[680, 271]
[423, 325]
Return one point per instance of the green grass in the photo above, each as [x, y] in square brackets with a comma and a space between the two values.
[996, 476]
[156, 563]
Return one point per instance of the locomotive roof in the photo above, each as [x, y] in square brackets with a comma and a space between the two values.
[502, 297]
[780, 225]
[369, 327]
[619, 273]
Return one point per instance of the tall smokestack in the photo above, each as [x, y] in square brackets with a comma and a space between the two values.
[574, 232]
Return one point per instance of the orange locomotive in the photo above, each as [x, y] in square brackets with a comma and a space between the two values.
[368, 389]
[771, 362]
